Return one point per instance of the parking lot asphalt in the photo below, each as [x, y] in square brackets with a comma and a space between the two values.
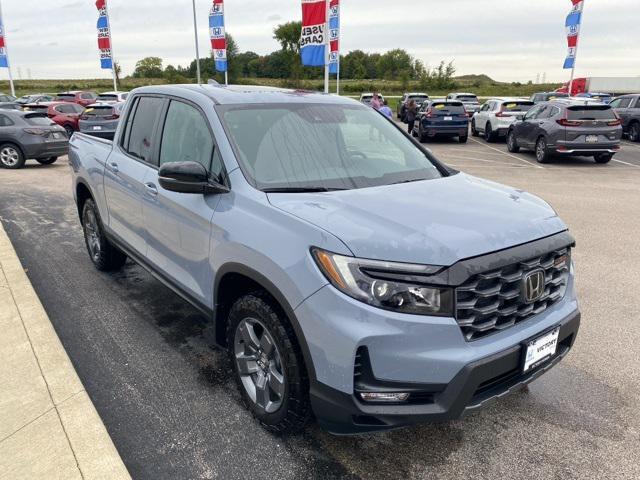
[171, 407]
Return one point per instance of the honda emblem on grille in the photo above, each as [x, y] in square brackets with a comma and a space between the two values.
[533, 285]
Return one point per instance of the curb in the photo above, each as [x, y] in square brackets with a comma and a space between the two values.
[49, 428]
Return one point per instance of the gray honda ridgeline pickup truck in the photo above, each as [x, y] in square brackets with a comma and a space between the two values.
[348, 272]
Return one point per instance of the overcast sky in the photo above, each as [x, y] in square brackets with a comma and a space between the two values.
[510, 40]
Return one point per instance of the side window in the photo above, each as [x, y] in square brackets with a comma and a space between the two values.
[140, 139]
[553, 112]
[531, 114]
[5, 121]
[637, 105]
[186, 136]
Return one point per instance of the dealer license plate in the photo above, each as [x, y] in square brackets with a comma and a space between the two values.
[592, 139]
[541, 349]
[448, 119]
[97, 127]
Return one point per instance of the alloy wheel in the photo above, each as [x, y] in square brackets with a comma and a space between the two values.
[92, 234]
[259, 365]
[634, 133]
[541, 150]
[9, 156]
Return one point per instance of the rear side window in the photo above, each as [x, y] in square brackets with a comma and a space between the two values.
[592, 112]
[5, 121]
[621, 102]
[66, 108]
[141, 141]
[186, 137]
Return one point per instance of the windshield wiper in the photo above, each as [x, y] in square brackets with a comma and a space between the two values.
[408, 181]
[300, 189]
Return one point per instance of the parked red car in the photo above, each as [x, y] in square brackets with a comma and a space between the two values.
[78, 96]
[64, 114]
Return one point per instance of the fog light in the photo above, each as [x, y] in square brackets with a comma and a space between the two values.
[384, 397]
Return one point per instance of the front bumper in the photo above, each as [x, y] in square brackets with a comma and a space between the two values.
[477, 384]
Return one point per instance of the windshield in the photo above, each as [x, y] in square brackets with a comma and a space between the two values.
[107, 98]
[66, 96]
[39, 120]
[313, 146]
[26, 99]
[418, 98]
[467, 98]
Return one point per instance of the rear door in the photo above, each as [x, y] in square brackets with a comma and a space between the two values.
[132, 159]
[525, 130]
[179, 224]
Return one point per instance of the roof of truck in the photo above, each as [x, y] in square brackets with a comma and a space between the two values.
[247, 94]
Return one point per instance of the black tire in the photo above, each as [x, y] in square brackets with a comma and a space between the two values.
[463, 139]
[489, 135]
[46, 161]
[294, 410]
[603, 157]
[474, 132]
[103, 254]
[11, 156]
[512, 142]
[69, 129]
[634, 132]
[542, 154]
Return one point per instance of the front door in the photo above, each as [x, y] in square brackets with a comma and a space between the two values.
[179, 224]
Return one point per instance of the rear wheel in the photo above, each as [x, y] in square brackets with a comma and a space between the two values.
[103, 254]
[268, 364]
[489, 135]
[463, 138]
[603, 157]
[512, 143]
[474, 131]
[634, 132]
[542, 155]
[46, 161]
[11, 156]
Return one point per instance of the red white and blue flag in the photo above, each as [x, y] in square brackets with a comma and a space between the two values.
[4, 60]
[334, 36]
[104, 36]
[312, 39]
[574, 19]
[217, 35]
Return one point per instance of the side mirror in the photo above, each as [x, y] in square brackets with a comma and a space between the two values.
[520, 117]
[188, 177]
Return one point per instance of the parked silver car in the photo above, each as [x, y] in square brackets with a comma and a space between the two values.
[568, 127]
[101, 119]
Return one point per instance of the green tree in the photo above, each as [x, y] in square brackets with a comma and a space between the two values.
[394, 64]
[288, 35]
[149, 67]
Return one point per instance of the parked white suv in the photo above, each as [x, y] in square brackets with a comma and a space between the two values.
[497, 115]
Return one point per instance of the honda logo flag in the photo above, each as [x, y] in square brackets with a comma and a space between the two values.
[217, 35]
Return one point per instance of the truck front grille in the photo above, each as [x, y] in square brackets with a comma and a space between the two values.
[494, 300]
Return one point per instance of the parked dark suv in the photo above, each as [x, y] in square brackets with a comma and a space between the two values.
[627, 108]
[442, 118]
[568, 127]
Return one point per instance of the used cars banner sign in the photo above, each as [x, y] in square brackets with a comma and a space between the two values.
[313, 40]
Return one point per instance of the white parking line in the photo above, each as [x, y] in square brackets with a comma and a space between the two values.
[507, 154]
[496, 162]
[631, 144]
[626, 163]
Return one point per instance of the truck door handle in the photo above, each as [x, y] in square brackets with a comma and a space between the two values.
[113, 166]
[151, 189]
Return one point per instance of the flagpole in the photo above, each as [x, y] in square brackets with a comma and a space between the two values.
[327, 47]
[226, 74]
[575, 55]
[195, 31]
[6, 52]
[113, 57]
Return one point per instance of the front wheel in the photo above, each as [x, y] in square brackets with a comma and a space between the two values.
[46, 161]
[512, 143]
[268, 364]
[489, 135]
[604, 157]
[103, 254]
[542, 155]
[69, 129]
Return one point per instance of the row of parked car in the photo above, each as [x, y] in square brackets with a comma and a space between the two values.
[39, 126]
[548, 123]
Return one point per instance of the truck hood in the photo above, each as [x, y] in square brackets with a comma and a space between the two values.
[437, 222]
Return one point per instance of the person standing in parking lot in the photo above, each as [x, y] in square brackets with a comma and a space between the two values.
[385, 110]
[375, 102]
[412, 112]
